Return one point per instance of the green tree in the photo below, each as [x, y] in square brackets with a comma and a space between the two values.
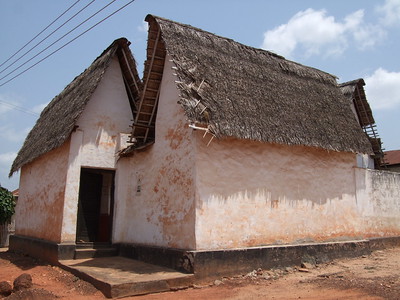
[7, 205]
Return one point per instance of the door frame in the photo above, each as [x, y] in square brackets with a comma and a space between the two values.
[105, 221]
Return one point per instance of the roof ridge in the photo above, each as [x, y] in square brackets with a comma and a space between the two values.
[259, 50]
[213, 34]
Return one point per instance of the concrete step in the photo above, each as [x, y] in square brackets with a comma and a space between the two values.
[85, 245]
[81, 253]
[119, 277]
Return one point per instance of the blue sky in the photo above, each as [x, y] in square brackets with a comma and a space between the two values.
[349, 39]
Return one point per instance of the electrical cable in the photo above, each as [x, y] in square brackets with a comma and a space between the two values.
[23, 47]
[13, 106]
[24, 63]
[43, 41]
[69, 42]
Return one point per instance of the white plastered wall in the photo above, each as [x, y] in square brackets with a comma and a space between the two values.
[101, 128]
[378, 199]
[254, 194]
[155, 187]
[41, 196]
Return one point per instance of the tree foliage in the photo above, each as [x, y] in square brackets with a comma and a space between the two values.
[7, 205]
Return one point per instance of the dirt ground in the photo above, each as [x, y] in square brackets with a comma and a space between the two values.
[376, 276]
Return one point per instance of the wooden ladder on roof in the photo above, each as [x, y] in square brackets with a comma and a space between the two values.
[143, 127]
[130, 79]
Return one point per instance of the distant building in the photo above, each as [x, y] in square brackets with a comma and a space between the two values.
[392, 160]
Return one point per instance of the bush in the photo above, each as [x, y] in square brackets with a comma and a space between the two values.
[7, 205]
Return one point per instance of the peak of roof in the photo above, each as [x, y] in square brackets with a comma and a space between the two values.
[353, 82]
[169, 26]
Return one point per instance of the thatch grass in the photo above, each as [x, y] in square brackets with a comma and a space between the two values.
[249, 93]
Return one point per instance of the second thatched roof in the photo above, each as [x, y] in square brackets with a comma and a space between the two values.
[248, 93]
[58, 119]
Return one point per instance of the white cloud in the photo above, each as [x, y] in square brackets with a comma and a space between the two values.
[7, 158]
[7, 103]
[383, 89]
[12, 103]
[4, 108]
[368, 35]
[144, 27]
[314, 32]
[12, 135]
[39, 108]
[390, 11]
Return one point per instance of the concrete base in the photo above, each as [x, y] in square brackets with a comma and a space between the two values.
[213, 264]
[42, 249]
[120, 277]
[171, 258]
[383, 243]
[208, 265]
[95, 250]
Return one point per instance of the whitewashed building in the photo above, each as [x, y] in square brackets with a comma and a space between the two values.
[219, 147]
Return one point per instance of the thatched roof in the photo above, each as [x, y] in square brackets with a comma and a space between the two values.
[232, 89]
[58, 119]
[248, 93]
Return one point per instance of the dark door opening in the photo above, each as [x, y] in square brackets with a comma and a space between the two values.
[95, 206]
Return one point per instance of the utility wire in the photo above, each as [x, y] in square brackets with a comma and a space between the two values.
[73, 29]
[45, 38]
[23, 47]
[69, 42]
[20, 108]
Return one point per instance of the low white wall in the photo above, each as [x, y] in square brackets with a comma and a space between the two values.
[378, 199]
[155, 187]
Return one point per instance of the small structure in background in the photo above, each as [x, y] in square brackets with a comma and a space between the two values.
[392, 159]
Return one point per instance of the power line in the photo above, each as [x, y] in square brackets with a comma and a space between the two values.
[23, 47]
[66, 44]
[20, 108]
[45, 38]
[24, 63]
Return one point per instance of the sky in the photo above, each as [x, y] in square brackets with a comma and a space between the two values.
[349, 39]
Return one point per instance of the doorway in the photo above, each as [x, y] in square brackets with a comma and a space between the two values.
[95, 206]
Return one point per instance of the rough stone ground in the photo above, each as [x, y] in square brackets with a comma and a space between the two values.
[376, 276]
